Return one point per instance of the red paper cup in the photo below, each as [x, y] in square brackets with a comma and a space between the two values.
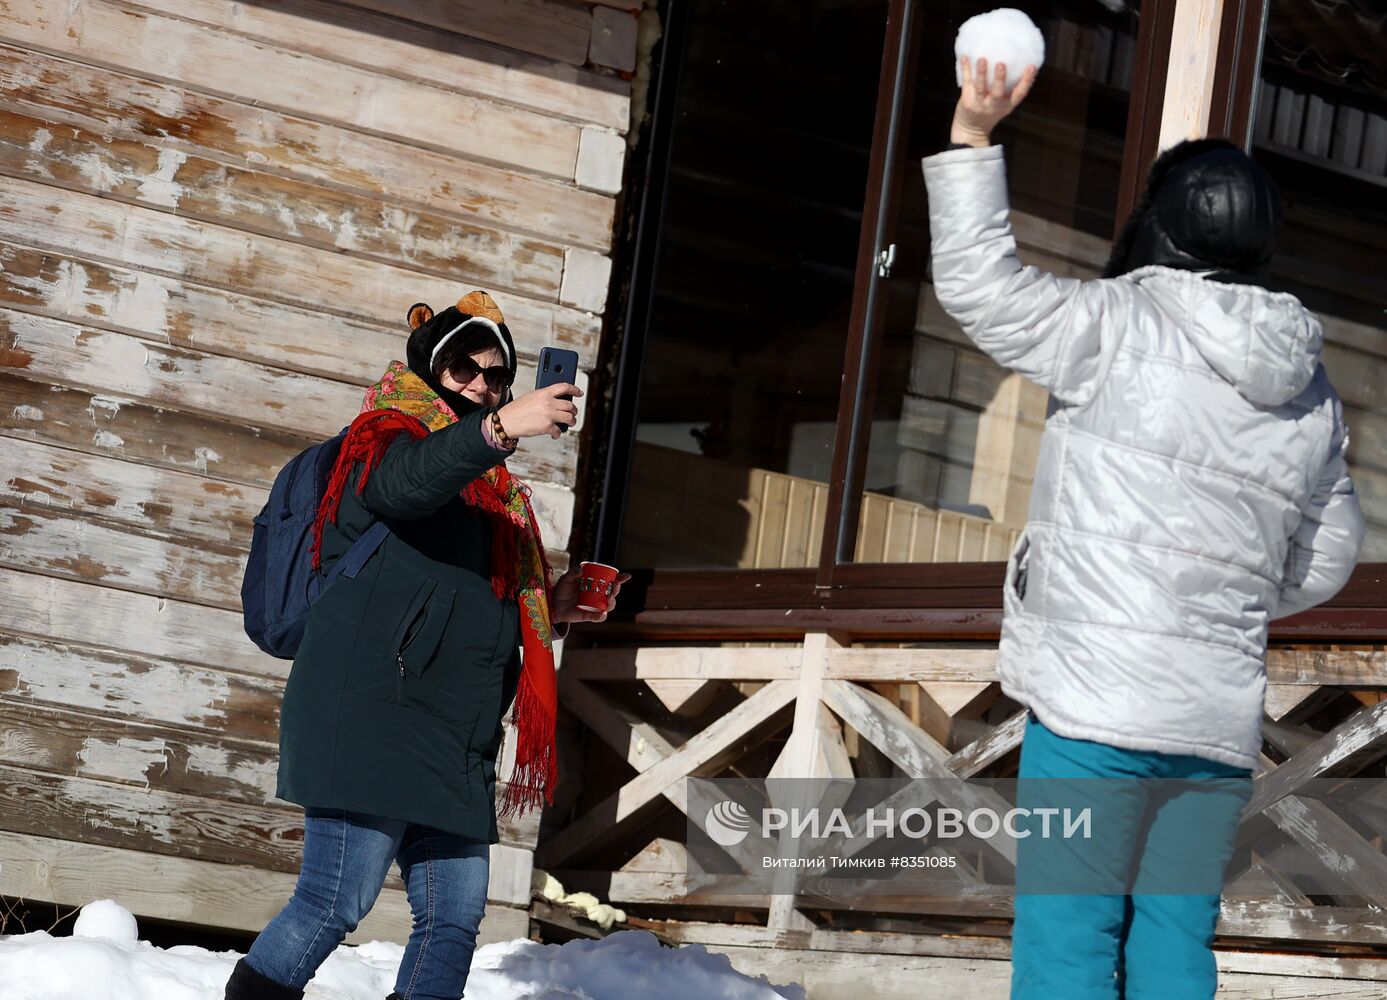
[595, 583]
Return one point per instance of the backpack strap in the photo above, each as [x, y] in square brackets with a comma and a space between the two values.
[361, 550]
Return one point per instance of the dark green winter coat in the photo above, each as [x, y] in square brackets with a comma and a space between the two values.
[394, 702]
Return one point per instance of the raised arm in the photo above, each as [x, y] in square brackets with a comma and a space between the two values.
[417, 476]
[1056, 331]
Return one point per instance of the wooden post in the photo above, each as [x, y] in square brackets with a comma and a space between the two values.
[1189, 83]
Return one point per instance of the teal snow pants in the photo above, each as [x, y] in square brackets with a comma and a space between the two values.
[1170, 818]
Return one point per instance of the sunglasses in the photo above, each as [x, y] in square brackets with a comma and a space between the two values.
[498, 377]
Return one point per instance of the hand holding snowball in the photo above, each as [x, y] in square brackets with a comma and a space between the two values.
[985, 100]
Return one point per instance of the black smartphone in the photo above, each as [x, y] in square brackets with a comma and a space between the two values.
[556, 365]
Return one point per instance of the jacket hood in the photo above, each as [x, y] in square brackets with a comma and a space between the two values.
[1265, 344]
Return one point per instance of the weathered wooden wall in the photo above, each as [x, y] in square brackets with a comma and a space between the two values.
[212, 219]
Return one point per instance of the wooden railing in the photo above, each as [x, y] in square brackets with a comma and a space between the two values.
[935, 712]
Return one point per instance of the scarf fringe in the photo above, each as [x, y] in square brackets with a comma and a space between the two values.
[531, 783]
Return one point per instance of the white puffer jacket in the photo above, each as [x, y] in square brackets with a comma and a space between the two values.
[1191, 484]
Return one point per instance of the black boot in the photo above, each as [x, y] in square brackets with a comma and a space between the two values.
[247, 984]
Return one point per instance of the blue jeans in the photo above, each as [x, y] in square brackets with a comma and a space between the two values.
[1137, 946]
[346, 857]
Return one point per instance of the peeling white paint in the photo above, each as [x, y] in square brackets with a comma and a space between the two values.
[106, 404]
[96, 171]
[69, 292]
[346, 233]
[143, 305]
[105, 439]
[42, 137]
[125, 760]
[205, 457]
[260, 775]
[112, 807]
[27, 412]
[161, 188]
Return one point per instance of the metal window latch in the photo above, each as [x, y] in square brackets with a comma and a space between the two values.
[886, 260]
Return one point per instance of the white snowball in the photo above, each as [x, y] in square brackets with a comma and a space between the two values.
[106, 918]
[1003, 35]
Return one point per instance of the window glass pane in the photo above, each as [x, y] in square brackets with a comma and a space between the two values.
[744, 356]
[954, 436]
[1320, 128]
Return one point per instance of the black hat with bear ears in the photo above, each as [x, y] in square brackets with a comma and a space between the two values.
[476, 313]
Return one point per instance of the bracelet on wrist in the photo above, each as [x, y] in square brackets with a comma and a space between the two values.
[502, 438]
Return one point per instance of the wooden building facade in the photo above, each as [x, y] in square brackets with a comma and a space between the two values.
[215, 215]
[214, 218]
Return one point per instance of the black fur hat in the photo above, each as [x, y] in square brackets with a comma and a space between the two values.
[1207, 207]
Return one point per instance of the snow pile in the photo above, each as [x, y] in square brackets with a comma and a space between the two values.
[112, 965]
[106, 918]
[1004, 35]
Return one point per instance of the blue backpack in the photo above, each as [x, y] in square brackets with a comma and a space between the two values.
[281, 585]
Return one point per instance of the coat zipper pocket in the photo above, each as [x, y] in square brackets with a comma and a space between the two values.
[412, 625]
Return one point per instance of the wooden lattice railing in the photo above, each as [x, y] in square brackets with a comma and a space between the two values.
[826, 708]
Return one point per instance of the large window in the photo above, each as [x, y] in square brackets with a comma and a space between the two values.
[953, 436]
[805, 405]
[1320, 127]
[754, 285]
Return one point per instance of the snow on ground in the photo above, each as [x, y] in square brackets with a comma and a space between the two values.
[104, 960]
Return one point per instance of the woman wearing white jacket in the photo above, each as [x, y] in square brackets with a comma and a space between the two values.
[1191, 487]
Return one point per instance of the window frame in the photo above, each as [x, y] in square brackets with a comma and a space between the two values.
[957, 601]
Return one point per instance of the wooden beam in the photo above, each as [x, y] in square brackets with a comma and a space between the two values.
[910, 749]
[48, 609]
[249, 263]
[707, 750]
[332, 156]
[1361, 732]
[389, 45]
[683, 663]
[981, 753]
[141, 172]
[190, 891]
[1190, 75]
[228, 65]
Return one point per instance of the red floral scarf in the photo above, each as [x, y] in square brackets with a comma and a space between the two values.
[401, 402]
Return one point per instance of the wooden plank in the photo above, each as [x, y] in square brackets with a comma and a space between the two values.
[979, 754]
[139, 688]
[950, 664]
[191, 891]
[243, 135]
[680, 663]
[1329, 924]
[98, 812]
[146, 173]
[156, 241]
[1331, 840]
[36, 539]
[169, 888]
[67, 612]
[1362, 733]
[165, 438]
[557, 31]
[137, 754]
[228, 65]
[182, 314]
[709, 750]
[155, 500]
[347, 34]
[56, 351]
[889, 729]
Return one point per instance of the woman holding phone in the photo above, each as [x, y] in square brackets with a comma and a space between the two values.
[391, 724]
